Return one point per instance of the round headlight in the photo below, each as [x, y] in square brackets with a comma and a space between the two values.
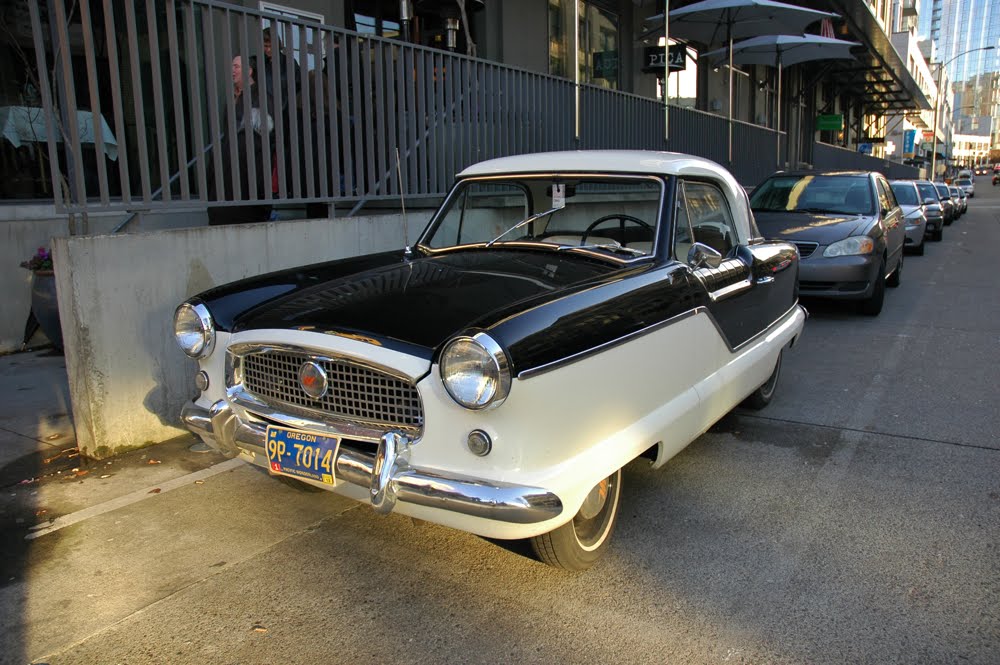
[194, 330]
[475, 371]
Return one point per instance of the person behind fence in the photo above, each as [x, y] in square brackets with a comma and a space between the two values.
[261, 125]
[286, 71]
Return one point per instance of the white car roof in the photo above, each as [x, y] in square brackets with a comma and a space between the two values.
[623, 161]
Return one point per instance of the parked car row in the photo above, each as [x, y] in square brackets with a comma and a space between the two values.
[561, 315]
[851, 227]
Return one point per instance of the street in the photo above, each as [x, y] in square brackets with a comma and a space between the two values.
[854, 520]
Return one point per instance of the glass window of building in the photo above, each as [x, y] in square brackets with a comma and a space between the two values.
[598, 47]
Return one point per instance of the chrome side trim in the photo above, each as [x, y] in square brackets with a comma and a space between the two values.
[731, 290]
[393, 478]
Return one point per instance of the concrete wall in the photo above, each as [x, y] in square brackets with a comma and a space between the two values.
[25, 228]
[128, 380]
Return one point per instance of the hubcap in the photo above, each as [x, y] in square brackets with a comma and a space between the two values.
[595, 500]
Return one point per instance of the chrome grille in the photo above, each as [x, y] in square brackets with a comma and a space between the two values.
[805, 248]
[356, 392]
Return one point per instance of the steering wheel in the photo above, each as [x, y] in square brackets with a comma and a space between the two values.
[622, 219]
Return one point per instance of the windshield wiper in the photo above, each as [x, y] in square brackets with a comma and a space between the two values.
[613, 247]
[522, 223]
[820, 211]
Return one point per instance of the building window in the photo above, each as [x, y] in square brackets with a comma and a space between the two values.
[599, 42]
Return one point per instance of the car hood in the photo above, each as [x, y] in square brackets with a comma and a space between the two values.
[422, 301]
[810, 227]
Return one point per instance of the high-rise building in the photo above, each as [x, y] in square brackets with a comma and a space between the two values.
[956, 26]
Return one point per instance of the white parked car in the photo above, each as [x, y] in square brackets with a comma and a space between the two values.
[562, 315]
[967, 185]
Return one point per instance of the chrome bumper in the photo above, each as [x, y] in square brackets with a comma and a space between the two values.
[387, 474]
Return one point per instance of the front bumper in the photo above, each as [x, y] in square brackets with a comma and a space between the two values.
[385, 474]
[915, 234]
[841, 277]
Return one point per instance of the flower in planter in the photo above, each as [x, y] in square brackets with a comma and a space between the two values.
[42, 260]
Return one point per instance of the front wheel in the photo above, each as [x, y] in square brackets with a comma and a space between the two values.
[580, 542]
[761, 397]
[872, 305]
[897, 274]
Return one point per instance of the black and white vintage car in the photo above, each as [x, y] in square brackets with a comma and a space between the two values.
[562, 315]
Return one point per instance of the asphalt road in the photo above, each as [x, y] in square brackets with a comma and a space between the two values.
[855, 520]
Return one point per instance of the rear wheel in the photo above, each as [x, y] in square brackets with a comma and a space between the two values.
[761, 397]
[580, 542]
[872, 305]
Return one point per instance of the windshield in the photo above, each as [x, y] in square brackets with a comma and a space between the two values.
[927, 191]
[906, 193]
[943, 191]
[832, 194]
[615, 213]
[964, 182]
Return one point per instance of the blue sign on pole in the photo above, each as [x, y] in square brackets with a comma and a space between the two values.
[865, 148]
[909, 141]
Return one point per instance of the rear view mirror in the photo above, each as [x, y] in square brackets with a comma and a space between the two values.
[702, 256]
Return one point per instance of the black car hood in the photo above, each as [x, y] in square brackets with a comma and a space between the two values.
[422, 301]
[810, 227]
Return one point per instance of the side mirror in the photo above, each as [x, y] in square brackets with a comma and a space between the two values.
[702, 256]
[929, 201]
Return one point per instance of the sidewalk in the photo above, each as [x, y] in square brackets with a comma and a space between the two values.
[42, 477]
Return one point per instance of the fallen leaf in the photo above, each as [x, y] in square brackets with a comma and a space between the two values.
[154, 461]
[199, 482]
[155, 490]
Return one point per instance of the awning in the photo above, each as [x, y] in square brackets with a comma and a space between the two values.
[879, 75]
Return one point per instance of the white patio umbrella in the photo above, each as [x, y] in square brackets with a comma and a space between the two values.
[718, 22]
[780, 51]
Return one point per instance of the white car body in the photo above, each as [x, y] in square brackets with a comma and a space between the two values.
[565, 424]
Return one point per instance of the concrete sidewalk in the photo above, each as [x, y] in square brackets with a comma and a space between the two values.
[42, 477]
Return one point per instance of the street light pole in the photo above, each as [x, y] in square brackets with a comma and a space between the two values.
[937, 103]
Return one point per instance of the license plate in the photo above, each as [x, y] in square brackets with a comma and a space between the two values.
[300, 454]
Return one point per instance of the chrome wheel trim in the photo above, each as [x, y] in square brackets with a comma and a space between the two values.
[590, 533]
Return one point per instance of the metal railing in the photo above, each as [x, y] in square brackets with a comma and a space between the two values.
[830, 157]
[351, 118]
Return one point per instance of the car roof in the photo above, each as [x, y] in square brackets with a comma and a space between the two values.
[803, 172]
[598, 161]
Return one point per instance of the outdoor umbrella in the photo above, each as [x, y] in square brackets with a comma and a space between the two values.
[782, 50]
[718, 22]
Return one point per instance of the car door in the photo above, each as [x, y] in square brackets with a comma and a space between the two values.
[892, 220]
[704, 210]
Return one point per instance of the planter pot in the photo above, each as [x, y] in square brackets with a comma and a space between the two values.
[45, 306]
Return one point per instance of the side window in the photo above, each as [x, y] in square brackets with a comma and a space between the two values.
[710, 217]
[682, 226]
[885, 197]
